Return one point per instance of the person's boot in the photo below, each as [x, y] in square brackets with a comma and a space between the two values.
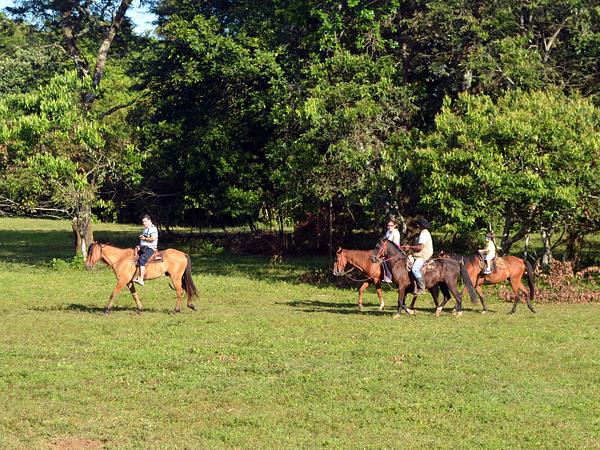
[420, 286]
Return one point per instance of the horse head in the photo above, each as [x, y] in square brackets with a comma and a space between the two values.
[93, 255]
[380, 251]
[340, 262]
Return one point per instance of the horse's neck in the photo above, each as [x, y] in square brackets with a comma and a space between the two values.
[358, 258]
[395, 256]
[112, 254]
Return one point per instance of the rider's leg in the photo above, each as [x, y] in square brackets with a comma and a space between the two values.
[416, 270]
[488, 263]
[142, 263]
[387, 275]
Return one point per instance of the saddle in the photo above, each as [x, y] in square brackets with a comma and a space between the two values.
[156, 257]
[427, 265]
[497, 261]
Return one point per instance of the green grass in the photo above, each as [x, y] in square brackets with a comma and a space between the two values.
[267, 362]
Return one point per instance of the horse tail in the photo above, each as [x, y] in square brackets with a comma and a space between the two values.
[530, 279]
[467, 281]
[187, 282]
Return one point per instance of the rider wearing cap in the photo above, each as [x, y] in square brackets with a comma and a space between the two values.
[423, 251]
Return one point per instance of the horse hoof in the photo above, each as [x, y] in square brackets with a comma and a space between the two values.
[106, 311]
[410, 312]
[396, 316]
[360, 308]
[139, 311]
[438, 311]
[484, 312]
[382, 307]
[175, 311]
[192, 307]
[457, 313]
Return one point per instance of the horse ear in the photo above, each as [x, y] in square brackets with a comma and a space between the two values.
[339, 250]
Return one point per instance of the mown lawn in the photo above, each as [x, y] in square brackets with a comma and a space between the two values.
[268, 362]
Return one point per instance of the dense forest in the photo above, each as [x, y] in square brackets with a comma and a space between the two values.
[325, 115]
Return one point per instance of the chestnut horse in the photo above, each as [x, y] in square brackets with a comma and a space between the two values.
[509, 268]
[438, 273]
[174, 263]
[360, 259]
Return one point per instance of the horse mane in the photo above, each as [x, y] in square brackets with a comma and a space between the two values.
[395, 251]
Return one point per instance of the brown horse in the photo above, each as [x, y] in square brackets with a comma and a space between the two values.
[360, 259]
[437, 274]
[122, 261]
[509, 268]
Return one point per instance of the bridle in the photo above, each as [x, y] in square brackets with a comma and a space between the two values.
[381, 260]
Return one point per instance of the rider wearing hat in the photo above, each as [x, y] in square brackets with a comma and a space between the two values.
[423, 251]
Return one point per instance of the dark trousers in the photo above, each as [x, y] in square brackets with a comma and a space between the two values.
[145, 253]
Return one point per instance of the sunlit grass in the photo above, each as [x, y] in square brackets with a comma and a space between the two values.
[268, 362]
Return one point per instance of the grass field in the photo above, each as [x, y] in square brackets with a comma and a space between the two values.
[268, 362]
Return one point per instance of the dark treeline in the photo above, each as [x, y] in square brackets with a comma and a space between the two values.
[324, 116]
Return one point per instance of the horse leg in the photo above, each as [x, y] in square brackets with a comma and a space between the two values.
[360, 295]
[179, 291]
[479, 291]
[120, 283]
[458, 297]
[446, 294]
[521, 289]
[136, 297]
[380, 295]
[402, 304]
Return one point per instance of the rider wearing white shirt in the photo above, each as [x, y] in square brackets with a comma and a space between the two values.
[392, 234]
[424, 251]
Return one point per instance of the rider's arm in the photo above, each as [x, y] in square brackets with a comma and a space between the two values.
[413, 248]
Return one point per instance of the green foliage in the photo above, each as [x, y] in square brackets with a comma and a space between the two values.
[527, 159]
[57, 157]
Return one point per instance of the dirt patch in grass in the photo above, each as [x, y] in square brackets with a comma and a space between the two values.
[76, 443]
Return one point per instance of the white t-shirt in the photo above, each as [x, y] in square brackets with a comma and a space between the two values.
[393, 235]
[425, 239]
[150, 231]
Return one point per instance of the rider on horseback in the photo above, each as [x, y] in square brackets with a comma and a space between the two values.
[148, 245]
[488, 253]
[424, 251]
[392, 234]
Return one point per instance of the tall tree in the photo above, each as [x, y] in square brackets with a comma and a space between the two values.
[86, 30]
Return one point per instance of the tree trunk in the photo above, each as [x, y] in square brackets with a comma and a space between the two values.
[504, 242]
[546, 240]
[573, 250]
[83, 234]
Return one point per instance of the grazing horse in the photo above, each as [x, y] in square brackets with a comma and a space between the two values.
[122, 261]
[361, 259]
[509, 268]
[436, 273]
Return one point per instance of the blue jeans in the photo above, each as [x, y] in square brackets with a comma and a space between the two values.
[416, 268]
[145, 253]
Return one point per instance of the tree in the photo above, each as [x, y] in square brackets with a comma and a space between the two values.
[526, 161]
[82, 25]
[55, 158]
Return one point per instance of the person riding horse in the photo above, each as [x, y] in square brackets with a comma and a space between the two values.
[392, 234]
[424, 251]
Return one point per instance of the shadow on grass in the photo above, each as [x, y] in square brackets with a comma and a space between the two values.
[319, 306]
[75, 307]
